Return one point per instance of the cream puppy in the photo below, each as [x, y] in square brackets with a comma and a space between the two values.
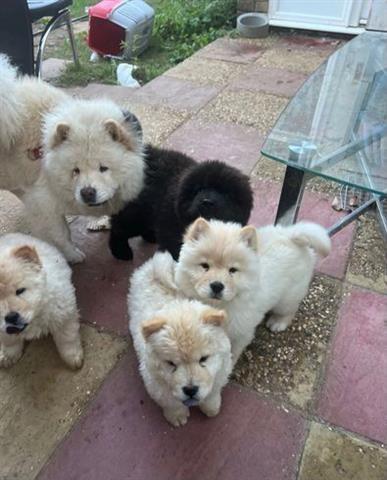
[36, 298]
[249, 272]
[183, 350]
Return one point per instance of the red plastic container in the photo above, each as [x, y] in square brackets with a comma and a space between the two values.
[105, 37]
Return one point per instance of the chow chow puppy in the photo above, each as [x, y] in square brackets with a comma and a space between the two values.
[183, 350]
[36, 298]
[177, 191]
[249, 272]
[72, 157]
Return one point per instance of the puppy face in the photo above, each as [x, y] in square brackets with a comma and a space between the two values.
[93, 153]
[217, 260]
[22, 287]
[187, 347]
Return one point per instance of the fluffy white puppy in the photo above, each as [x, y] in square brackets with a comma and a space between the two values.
[249, 272]
[183, 350]
[36, 298]
[74, 157]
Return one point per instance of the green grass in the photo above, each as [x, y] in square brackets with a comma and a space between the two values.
[181, 27]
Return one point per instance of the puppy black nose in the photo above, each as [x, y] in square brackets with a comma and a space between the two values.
[191, 391]
[12, 318]
[217, 287]
[89, 194]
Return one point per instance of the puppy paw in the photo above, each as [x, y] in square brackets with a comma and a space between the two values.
[122, 252]
[7, 361]
[73, 358]
[211, 407]
[178, 417]
[278, 324]
[75, 255]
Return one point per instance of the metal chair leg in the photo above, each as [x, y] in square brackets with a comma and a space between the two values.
[71, 38]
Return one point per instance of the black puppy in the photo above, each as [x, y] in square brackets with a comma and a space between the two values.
[177, 191]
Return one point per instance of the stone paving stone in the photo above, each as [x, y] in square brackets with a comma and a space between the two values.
[355, 391]
[102, 281]
[309, 43]
[231, 50]
[287, 365]
[234, 144]
[203, 71]
[40, 400]
[314, 207]
[367, 266]
[253, 109]
[124, 436]
[330, 455]
[121, 95]
[269, 80]
[292, 59]
[53, 67]
[175, 93]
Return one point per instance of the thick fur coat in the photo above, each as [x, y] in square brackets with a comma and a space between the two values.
[177, 191]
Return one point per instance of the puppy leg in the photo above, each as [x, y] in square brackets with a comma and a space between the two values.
[11, 349]
[177, 416]
[279, 322]
[68, 342]
[211, 405]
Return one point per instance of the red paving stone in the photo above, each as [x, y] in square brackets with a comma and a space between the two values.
[325, 45]
[355, 393]
[102, 281]
[230, 50]
[234, 144]
[124, 436]
[315, 208]
[176, 93]
[269, 80]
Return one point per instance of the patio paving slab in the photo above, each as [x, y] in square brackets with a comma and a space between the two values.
[40, 400]
[355, 390]
[287, 364]
[269, 80]
[314, 207]
[231, 50]
[121, 95]
[292, 59]
[236, 145]
[252, 109]
[368, 263]
[102, 282]
[311, 43]
[331, 455]
[203, 71]
[175, 93]
[124, 436]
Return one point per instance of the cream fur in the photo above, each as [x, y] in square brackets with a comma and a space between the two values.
[274, 267]
[48, 304]
[168, 329]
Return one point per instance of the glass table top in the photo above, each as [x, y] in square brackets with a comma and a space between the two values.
[336, 125]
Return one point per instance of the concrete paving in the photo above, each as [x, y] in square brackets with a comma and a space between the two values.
[307, 404]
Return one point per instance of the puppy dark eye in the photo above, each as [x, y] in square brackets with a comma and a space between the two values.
[205, 266]
[171, 364]
[76, 171]
[233, 270]
[102, 168]
[203, 359]
[19, 291]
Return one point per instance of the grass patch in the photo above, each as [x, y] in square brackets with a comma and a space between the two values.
[180, 29]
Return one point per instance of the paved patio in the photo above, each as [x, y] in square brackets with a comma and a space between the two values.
[307, 404]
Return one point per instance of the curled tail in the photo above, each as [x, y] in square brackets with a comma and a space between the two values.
[164, 270]
[307, 234]
[10, 107]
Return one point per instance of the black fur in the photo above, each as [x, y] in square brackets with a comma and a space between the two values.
[177, 191]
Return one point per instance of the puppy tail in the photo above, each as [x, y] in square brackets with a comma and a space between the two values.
[164, 270]
[307, 234]
[10, 107]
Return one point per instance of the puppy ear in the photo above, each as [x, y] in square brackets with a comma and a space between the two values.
[119, 134]
[152, 326]
[27, 254]
[250, 237]
[61, 134]
[131, 119]
[215, 317]
[196, 229]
